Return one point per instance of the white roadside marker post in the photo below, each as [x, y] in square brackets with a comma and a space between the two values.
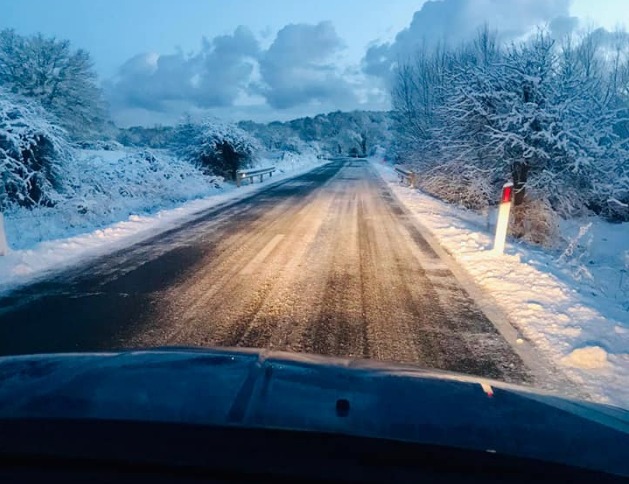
[503, 218]
[4, 247]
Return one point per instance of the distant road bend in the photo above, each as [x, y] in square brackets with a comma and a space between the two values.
[325, 263]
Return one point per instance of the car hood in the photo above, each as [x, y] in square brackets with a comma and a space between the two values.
[266, 389]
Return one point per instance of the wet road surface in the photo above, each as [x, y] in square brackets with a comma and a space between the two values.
[325, 263]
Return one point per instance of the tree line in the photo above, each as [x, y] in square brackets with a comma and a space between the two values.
[550, 114]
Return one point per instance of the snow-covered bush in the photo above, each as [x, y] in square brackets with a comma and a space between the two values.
[112, 185]
[457, 183]
[151, 176]
[34, 153]
[158, 137]
[535, 222]
[218, 147]
[106, 145]
[292, 144]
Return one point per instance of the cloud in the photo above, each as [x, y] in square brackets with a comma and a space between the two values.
[609, 40]
[297, 68]
[563, 25]
[452, 21]
[226, 67]
[377, 60]
[149, 80]
[214, 77]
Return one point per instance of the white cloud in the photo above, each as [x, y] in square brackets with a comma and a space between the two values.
[452, 21]
[214, 77]
[298, 72]
[297, 68]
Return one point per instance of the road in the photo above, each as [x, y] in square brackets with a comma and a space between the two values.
[325, 263]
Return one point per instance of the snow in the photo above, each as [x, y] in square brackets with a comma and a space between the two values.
[572, 306]
[107, 187]
[48, 240]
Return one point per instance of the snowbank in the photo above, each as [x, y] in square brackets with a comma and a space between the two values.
[109, 186]
[571, 307]
[49, 240]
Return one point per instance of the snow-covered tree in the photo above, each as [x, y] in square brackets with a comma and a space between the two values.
[61, 79]
[337, 133]
[558, 126]
[550, 115]
[220, 148]
[442, 100]
[418, 92]
[274, 136]
[33, 154]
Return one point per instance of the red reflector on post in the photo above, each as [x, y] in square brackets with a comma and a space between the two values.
[507, 193]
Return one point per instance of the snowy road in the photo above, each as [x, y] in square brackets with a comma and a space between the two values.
[327, 262]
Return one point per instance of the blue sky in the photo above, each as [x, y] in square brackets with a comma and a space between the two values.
[268, 59]
[115, 30]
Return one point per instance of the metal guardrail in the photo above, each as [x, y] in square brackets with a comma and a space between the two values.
[242, 175]
[406, 174]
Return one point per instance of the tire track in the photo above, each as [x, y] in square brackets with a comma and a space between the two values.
[326, 263]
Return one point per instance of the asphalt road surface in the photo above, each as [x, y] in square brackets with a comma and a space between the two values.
[325, 263]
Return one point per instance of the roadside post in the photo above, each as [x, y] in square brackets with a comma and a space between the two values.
[506, 200]
[4, 247]
[413, 180]
[406, 174]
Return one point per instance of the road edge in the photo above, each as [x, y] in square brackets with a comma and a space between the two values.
[543, 369]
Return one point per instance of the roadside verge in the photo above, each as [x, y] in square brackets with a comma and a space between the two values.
[571, 346]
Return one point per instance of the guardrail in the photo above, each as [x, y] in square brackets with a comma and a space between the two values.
[242, 175]
[405, 174]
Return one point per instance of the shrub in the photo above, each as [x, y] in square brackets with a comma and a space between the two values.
[219, 148]
[32, 151]
[535, 222]
[458, 184]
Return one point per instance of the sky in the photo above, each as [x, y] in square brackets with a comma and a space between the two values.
[158, 60]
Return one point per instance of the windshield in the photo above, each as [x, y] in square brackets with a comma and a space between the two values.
[434, 183]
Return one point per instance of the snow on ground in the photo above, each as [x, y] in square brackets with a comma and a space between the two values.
[573, 305]
[107, 187]
[49, 239]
